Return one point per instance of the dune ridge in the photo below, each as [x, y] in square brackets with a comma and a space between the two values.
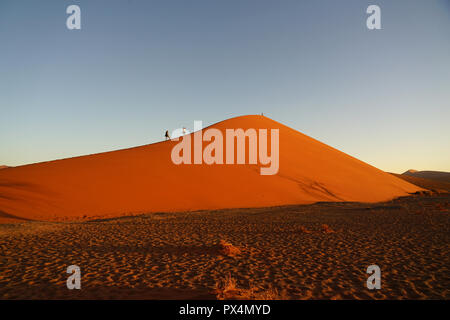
[144, 179]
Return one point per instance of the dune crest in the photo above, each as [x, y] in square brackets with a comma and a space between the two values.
[144, 179]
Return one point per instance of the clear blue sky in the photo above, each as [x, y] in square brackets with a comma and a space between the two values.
[137, 68]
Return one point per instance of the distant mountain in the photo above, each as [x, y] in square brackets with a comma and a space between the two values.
[431, 175]
[429, 184]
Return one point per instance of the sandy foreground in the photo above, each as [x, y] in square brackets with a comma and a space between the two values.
[287, 249]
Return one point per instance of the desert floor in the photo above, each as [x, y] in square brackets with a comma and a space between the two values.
[285, 249]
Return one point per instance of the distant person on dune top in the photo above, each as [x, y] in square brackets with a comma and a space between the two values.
[184, 131]
[167, 135]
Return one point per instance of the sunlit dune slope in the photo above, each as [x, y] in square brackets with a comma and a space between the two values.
[144, 179]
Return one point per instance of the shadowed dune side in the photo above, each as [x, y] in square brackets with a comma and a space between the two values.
[440, 176]
[144, 179]
[429, 184]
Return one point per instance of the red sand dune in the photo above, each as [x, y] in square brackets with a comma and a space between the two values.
[144, 179]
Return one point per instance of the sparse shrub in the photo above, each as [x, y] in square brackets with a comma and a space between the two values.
[227, 290]
[326, 229]
[228, 249]
[304, 229]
